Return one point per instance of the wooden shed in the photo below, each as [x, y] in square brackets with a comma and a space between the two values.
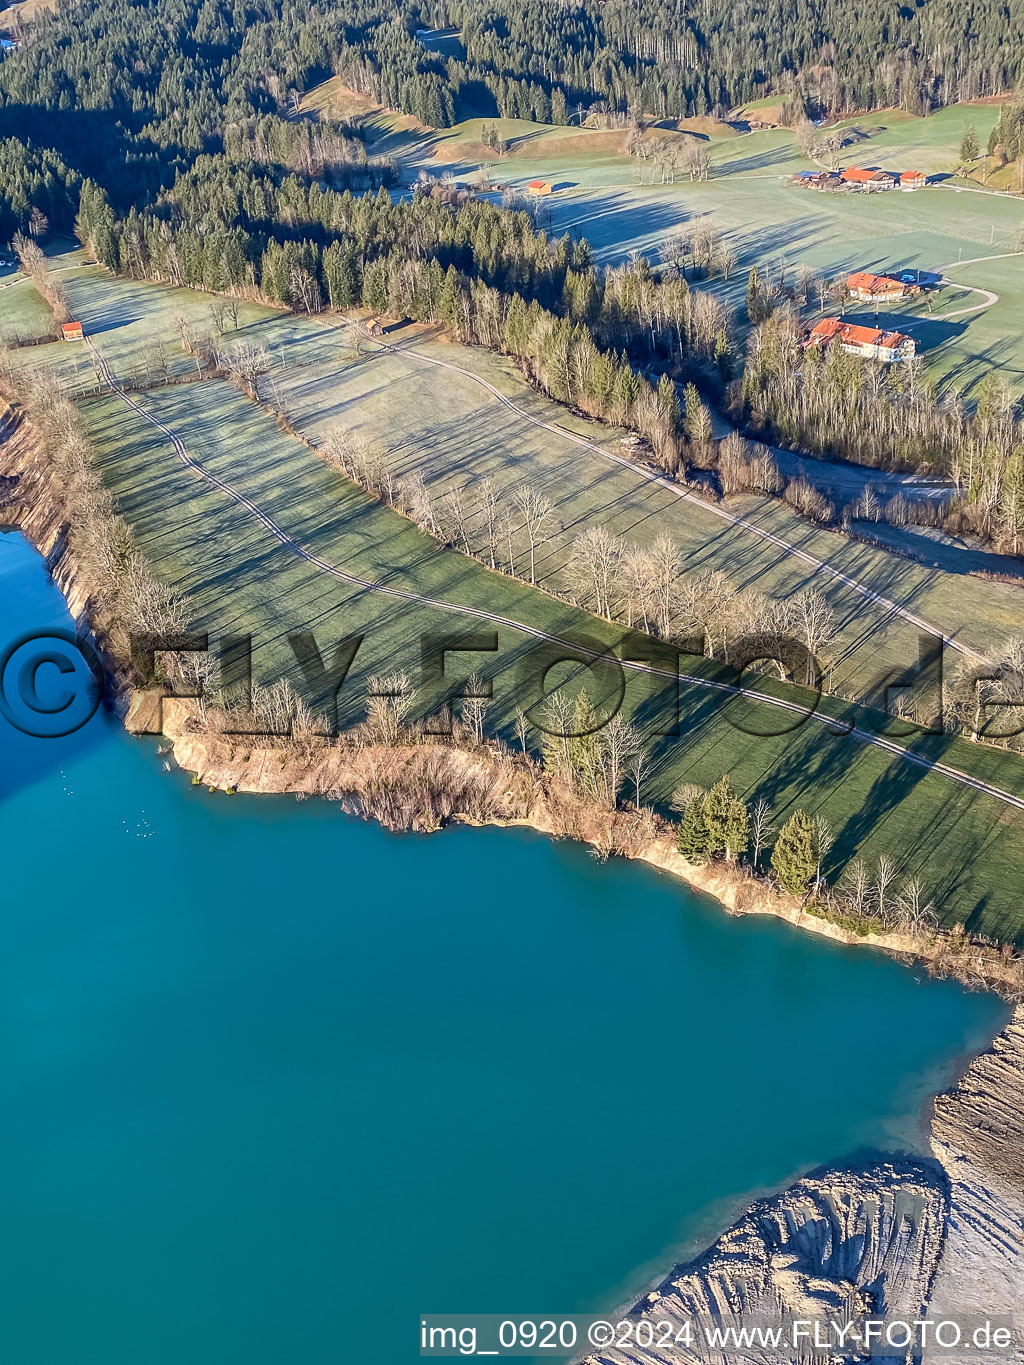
[71, 331]
[539, 187]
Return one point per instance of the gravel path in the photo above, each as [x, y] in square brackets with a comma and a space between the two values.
[833, 726]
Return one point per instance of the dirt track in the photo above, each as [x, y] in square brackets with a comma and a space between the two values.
[829, 723]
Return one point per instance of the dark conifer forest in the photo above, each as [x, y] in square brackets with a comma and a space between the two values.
[129, 94]
[165, 133]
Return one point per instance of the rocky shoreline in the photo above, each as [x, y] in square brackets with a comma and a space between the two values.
[33, 504]
[487, 786]
[949, 1232]
[902, 1239]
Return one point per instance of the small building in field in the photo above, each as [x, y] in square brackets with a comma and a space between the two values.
[913, 180]
[877, 288]
[870, 343]
[71, 331]
[539, 187]
[857, 178]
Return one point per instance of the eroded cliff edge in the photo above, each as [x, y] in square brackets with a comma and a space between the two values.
[32, 501]
[895, 1235]
[978, 1136]
[894, 1238]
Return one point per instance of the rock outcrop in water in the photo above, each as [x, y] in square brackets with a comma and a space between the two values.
[894, 1238]
[978, 1135]
[31, 500]
[837, 1245]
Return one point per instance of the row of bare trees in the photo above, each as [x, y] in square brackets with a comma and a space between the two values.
[673, 157]
[503, 529]
[33, 262]
[122, 583]
[700, 245]
[644, 587]
[875, 894]
[316, 149]
[986, 701]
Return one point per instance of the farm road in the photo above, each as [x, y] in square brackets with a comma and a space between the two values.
[831, 725]
[820, 565]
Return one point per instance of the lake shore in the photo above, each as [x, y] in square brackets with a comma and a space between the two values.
[976, 1135]
[902, 1239]
[896, 1236]
[489, 785]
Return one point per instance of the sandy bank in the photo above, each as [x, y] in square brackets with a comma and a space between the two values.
[422, 786]
[897, 1238]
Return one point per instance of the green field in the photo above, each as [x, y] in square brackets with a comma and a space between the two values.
[469, 435]
[455, 432]
[24, 315]
[240, 578]
[132, 322]
[614, 201]
[770, 223]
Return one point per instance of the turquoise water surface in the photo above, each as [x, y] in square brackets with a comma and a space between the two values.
[273, 1081]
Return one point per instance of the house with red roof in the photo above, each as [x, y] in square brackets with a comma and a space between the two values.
[868, 180]
[877, 288]
[870, 343]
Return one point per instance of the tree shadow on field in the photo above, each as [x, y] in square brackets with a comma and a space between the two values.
[1001, 356]
[615, 223]
[758, 161]
[949, 844]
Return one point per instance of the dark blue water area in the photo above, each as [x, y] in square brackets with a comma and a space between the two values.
[273, 1081]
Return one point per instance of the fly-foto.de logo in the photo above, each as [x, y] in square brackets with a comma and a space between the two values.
[51, 683]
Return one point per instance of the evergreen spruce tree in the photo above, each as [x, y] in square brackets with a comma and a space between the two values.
[585, 747]
[727, 821]
[697, 419]
[693, 838]
[668, 401]
[969, 147]
[794, 857]
[757, 304]
[450, 307]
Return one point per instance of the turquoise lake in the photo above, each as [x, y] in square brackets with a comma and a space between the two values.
[273, 1082]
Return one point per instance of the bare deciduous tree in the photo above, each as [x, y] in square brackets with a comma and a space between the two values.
[885, 875]
[474, 706]
[522, 724]
[592, 569]
[389, 699]
[538, 520]
[761, 827]
[823, 841]
[248, 362]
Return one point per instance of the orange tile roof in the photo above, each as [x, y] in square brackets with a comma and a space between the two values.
[829, 328]
[861, 336]
[867, 283]
[860, 176]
